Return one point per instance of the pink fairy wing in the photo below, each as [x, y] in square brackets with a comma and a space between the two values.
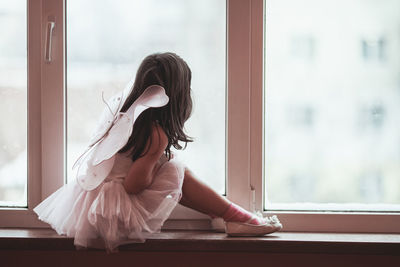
[103, 126]
[113, 106]
[106, 120]
[90, 176]
[116, 137]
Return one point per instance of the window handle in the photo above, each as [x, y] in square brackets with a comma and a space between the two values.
[49, 38]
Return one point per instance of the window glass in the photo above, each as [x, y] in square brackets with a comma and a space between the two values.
[332, 105]
[13, 103]
[107, 40]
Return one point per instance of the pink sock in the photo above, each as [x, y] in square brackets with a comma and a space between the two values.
[236, 213]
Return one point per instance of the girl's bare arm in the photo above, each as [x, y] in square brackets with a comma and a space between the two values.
[141, 173]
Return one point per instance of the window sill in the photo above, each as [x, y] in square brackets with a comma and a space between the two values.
[205, 241]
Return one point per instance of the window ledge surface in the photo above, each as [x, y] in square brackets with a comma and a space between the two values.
[206, 241]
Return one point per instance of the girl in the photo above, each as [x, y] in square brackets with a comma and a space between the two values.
[128, 181]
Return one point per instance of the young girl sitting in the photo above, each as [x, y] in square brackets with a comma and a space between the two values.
[128, 181]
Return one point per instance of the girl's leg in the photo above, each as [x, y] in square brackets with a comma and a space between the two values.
[199, 196]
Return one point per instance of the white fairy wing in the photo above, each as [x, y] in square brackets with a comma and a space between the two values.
[113, 106]
[90, 176]
[105, 122]
[98, 162]
[106, 118]
[117, 137]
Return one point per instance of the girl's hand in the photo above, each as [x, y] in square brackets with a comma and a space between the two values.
[141, 173]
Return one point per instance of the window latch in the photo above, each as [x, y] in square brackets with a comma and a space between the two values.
[49, 38]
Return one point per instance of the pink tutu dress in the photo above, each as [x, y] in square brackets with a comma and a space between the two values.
[107, 216]
[95, 209]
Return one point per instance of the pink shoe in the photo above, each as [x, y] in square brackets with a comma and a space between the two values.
[268, 225]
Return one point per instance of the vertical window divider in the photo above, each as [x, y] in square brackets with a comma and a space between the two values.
[34, 47]
[345, 221]
[256, 104]
[238, 101]
[52, 97]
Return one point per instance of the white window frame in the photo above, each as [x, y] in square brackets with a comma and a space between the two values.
[45, 112]
[307, 221]
[244, 150]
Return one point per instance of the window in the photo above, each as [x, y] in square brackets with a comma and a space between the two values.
[295, 78]
[345, 155]
[51, 70]
[122, 33]
[13, 104]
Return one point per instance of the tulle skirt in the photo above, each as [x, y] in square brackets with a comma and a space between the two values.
[107, 216]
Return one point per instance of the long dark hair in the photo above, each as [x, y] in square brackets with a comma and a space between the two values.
[171, 72]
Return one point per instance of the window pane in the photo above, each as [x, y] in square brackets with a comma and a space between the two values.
[332, 105]
[106, 42]
[13, 107]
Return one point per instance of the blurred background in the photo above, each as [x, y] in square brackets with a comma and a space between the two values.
[13, 103]
[106, 41]
[332, 104]
[332, 92]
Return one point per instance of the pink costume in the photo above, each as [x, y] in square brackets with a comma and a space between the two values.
[95, 208]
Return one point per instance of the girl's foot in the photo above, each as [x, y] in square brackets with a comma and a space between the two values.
[240, 222]
[268, 225]
[235, 213]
